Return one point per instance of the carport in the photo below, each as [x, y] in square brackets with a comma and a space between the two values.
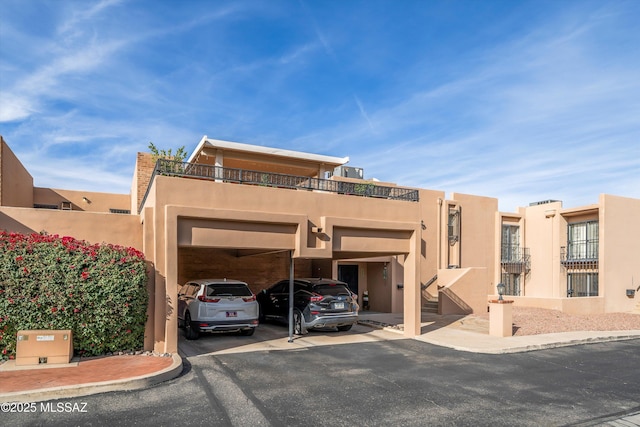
[241, 238]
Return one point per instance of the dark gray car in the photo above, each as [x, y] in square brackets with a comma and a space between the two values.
[318, 303]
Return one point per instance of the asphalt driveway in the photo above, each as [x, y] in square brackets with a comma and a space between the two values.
[370, 382]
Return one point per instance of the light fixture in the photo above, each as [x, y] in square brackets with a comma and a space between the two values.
[501, 288]
[84, 199]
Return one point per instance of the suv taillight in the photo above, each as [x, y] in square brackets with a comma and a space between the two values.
[205, 299]
[249, 299]
[316, 297]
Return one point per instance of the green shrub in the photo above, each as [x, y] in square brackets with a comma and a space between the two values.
[50, 282]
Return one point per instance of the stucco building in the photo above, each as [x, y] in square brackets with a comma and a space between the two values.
[245, 212]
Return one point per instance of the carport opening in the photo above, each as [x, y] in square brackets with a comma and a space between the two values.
[260, 269]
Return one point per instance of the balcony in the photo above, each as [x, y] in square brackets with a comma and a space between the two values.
[579, 258]
[514, 259]
[266, 179]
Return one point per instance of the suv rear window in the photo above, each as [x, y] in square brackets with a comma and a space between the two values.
[235, 289]
[332, 290]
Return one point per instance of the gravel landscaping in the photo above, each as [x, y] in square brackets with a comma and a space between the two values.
[534, 321]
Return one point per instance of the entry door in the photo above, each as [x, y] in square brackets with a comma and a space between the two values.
[349, 275]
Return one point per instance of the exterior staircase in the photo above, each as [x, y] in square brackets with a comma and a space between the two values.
[430, 302]
[430, 306]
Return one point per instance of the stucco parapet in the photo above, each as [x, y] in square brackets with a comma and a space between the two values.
[234, 215]
[330, 222]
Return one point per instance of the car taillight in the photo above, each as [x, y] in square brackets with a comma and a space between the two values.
[205, 299]
[316, 297]
[249, 299]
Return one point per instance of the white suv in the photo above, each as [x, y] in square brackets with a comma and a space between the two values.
[217, 305]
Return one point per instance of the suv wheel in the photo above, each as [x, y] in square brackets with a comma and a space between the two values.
[189, 332]
[298, 320]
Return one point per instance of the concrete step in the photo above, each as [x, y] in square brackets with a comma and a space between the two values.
[430, 307]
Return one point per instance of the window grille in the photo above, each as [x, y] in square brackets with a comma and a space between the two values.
[582, 284]
[454, 226]
[582, 241]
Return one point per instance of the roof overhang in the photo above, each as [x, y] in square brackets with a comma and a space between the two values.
[228, 146]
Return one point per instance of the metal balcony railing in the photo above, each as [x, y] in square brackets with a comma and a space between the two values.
[579, 257]
[515, 259]
[242, 176]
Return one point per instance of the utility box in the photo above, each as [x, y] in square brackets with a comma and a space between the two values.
[42, 346]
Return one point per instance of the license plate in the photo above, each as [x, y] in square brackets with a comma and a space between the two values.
[232, 314]
[338, 305]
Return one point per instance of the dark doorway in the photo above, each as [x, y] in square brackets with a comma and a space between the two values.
[349, 275]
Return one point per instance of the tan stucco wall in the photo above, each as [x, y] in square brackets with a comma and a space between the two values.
[16, 184]
[117, 229]
[619, 251]
[543, 226]
[95, 201]
[467, 283]
[588, 305]
[431, 206]
[477, 233]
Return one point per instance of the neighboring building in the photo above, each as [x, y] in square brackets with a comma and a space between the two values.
[243, 211]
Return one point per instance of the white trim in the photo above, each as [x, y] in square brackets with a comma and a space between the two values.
[236, 146]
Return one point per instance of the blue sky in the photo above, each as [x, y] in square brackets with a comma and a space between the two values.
[519, 100]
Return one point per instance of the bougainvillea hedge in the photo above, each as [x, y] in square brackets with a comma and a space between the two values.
[99, 291]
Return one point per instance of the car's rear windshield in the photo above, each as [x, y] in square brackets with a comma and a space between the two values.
[331, 289]
[234, 289]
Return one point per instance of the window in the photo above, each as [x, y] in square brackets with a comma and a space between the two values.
[228, 289]
[512, 283]
[119, 211]
[454, 225]
[510, 243]
[582, 240]
[582, 284]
